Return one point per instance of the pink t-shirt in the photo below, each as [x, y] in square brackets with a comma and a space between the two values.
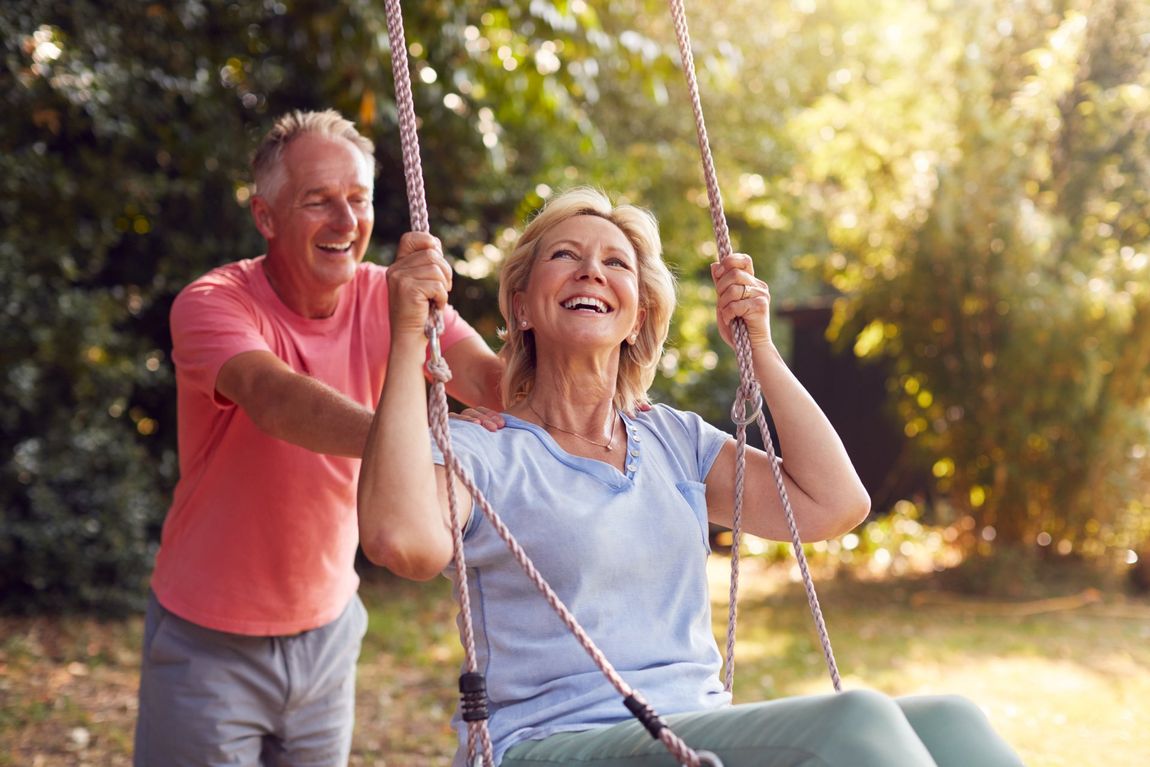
[261, 535]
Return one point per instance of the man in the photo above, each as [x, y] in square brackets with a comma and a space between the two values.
[254, 626]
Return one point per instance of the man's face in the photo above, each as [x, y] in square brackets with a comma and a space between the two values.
[319, 223]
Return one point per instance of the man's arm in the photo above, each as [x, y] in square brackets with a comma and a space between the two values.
[304, 411]
[476, 374]
[295, 408]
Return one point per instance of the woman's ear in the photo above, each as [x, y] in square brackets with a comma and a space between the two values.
[640, 317]
[518, 313]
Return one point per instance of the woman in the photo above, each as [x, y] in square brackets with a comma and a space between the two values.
[612, 499]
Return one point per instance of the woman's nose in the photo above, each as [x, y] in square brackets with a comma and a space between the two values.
[591, 269]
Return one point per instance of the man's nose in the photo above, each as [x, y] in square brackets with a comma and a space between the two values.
[343, 216]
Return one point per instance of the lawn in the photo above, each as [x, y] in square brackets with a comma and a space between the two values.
[1064, 678]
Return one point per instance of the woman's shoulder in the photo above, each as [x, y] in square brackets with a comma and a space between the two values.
[474, 434]
[661, 416]
[672, 424]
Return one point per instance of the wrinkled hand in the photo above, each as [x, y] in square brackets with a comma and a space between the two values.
[484, 416]
[419, 277]
[741, 294]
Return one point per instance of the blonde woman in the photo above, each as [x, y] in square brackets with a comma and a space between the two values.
[613, 501]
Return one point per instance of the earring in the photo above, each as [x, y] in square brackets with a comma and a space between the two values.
[634, 337]
[523, 324]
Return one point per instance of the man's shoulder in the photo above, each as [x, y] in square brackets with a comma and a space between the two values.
[370, 281]
[370, 272]
[228, 285]
[236, 275]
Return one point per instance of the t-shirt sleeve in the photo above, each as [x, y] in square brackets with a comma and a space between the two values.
[212, 320]
[455, 329]
[697, 441]
[709, 441]
[466, 446]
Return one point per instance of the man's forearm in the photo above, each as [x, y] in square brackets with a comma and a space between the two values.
[311, 414]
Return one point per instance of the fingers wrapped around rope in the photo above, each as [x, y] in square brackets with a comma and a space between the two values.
[741, 295]
[419, 276]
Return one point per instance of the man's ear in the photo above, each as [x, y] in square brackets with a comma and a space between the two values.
[262, 215]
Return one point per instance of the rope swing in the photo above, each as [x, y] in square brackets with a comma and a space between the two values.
[472, 685]
[748, 391]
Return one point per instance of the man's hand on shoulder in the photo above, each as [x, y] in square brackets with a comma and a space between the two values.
[484, 416]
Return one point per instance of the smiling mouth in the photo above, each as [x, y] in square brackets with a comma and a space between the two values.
[334, 247]
[586, 303]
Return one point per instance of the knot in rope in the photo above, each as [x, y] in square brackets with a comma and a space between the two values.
[436, 366]
[438, 370]
[748, 392]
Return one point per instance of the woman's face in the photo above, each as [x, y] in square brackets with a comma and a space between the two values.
[583, 290]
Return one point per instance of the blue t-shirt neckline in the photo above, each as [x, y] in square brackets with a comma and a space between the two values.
[605, 472]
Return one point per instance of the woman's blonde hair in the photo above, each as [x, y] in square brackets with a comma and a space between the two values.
[637, 362]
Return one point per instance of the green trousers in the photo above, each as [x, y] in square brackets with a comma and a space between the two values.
[858, 728]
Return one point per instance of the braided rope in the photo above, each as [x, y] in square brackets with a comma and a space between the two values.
[408, 126]
[441, 433]
[478, 736]
[749, 389]
[438, 420]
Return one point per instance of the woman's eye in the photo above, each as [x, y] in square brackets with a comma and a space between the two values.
[562, 254]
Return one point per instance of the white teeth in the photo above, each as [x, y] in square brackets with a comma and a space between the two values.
[334, 245]
[585, 302]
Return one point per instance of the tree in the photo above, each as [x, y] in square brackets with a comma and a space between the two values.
[123, 150]
[990, 224]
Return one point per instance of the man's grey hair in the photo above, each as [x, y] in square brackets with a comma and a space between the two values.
[267, 164]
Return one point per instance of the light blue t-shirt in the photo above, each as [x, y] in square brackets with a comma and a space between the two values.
[626, 552]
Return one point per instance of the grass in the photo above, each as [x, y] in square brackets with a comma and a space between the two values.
[1065, 679]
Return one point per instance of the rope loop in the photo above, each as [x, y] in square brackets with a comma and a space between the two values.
[747, 392]
[436, 365]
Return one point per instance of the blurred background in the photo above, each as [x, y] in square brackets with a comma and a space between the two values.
[950, 198]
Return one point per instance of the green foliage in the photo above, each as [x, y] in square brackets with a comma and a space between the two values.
[123, 150]
[968, 178]
[990, 226]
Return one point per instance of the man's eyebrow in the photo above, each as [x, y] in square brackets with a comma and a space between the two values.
[315, 191]
[320, 191]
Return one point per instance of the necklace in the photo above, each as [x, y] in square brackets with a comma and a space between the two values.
[609, 444]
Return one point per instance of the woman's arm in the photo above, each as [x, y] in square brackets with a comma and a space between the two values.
[402, 498]
[825, 492]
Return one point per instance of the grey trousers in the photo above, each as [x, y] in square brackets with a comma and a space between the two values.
[852, 729]
[209, 698]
